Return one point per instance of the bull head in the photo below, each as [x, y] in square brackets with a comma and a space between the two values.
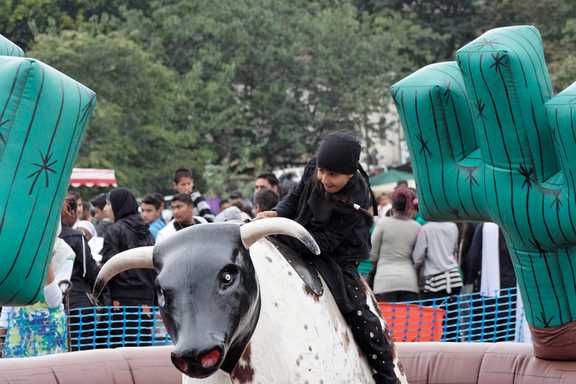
[207, 288]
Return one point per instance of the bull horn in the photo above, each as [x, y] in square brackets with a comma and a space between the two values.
[255, 230]
[133, 258]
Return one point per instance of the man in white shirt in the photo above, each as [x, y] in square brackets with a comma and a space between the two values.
[183, 212]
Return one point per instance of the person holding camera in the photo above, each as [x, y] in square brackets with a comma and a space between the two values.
[84, 272]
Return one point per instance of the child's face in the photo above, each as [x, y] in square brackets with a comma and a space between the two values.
[184, 185]
[332, 181]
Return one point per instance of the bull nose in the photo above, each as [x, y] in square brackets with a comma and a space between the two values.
[211, 358]
[179, 362]
[198, 363]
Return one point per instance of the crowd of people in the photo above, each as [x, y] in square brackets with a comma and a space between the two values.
[413, 259]
[90, 233]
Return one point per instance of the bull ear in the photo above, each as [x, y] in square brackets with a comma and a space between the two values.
[255, 230]
[133, 258]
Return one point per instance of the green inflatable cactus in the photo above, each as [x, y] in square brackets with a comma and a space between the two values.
[43, 115]
[489, 142]
[8, 48]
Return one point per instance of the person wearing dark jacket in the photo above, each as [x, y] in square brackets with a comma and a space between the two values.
[474, 260]
[332, 202]
[102, 221]
[84, 272]
[134, 287]
[487, 268]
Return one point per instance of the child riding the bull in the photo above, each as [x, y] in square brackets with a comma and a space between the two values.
[331, 202]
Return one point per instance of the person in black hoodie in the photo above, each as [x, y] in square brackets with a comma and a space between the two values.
[136, 286]
[81, 315]
[492, 311]
[332, 202]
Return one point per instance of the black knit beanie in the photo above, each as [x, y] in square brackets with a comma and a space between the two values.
[123, 203]
[339, 152]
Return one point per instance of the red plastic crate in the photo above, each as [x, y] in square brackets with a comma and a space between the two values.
[413, 322]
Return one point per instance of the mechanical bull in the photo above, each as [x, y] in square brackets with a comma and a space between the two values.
[239, 313]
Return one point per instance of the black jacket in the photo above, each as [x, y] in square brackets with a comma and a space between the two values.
[84, 270]
[472, 262]
[102, 226]
[339, 222]
[135, 286]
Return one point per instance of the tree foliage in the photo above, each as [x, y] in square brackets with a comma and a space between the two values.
[234, 87]
[130, 130]
[22, 20]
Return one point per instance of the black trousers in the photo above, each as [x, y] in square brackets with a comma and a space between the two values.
[83, 321]
[491, 319]
[350, 295]
[82, 333]
[451, 330]
[397, 296]
[132, 323]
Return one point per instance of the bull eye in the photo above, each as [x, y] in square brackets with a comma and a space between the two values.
[161, 299]
[228, 276]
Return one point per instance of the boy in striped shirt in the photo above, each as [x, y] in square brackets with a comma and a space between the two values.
[184, 183]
